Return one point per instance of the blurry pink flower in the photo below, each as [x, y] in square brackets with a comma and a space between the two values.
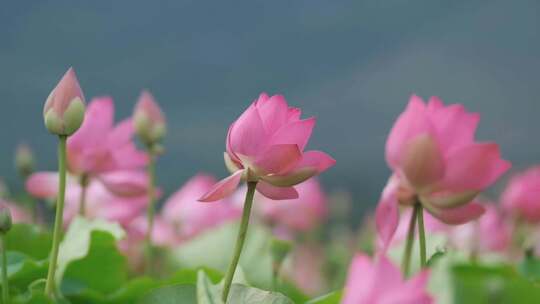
[489, 233]
[148, 119]
[521, 197]
[64, 109]
[191, 216]
[266, 144]
[435, 160]
[99, 146]
[100, 201]
[301, 214]
[306, 270]
[380, 282]
[163, 233]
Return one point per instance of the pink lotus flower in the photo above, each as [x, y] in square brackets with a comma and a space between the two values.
[99, 146]
[163, 233]
[64, 109]
[266, 144]
[101, 202]
[148, 119]
[489, 233]
[521, 197]
[380, 282]
[301, 214]
[191, 217]
[435, 160]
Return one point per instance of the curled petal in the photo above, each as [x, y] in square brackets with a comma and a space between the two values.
[247, 135]
[312, 163]
[223, 188]
[276, 193]
[273, 111]
[387, 215]
[458, 215]
[278, 159]
[474, 167]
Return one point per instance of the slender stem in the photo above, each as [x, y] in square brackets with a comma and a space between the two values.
[150, 210]
[82, 198]
[405, 263]
[421, 234]
[5, 284]
[239, 240]
[57, 233]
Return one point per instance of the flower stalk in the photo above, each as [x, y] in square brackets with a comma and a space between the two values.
[57, 232]
[421, 235]
[242, 232]
[406, 261]
[5, 283]
[150, 211]
[84, 180]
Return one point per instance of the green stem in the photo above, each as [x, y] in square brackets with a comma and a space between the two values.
[150, 210]
[406, 261]
[82, 198]
[5, 284]
[421, 234]
[57, 233]
[239, 240]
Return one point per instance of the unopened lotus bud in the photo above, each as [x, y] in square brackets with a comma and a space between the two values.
[5, 219]
[64, 109]
[24, 160]
[149, 120]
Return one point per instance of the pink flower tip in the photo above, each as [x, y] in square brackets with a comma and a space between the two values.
[148, 119]
[64, 109]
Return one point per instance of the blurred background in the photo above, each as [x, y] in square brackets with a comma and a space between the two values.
[353, 64]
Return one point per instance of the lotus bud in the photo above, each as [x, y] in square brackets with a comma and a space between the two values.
[279, 249]
[149, 120]
[5, 219]
[64, 109]
[24, 160]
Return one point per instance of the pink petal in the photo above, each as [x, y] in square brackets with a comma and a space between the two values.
[126, 183]
[454, 125]
[359, 280]
[474, 167]
[43, 185]
[296, 132]
[294, 114]
[458, 215]
[98, 120]
[387, 275]
[278, 159]
[312, 163]
[273, 111]
[412, 122]
[387, 214]
[121, 134]
[223, 188]
[247, 135]
[276, 193]
[422, 162]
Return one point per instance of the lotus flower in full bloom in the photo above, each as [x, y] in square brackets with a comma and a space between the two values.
[436, 162]
[296, 215]
[184, 211]
[266, 145]
[521, 198]
[381, 282]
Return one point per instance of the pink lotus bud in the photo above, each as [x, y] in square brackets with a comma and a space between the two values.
[521, 198]
[64, 109]
[24, 160]
[148, 119]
